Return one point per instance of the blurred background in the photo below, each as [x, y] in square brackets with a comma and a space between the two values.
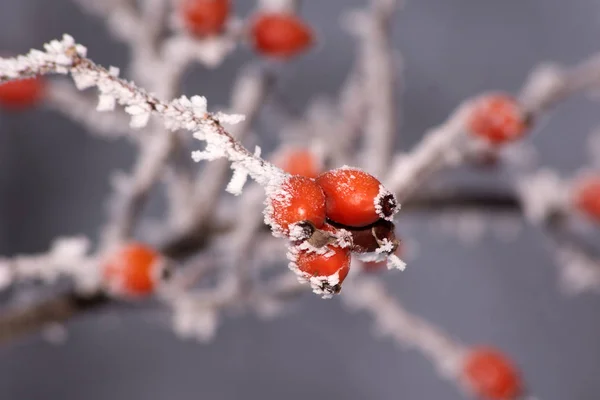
[54, 181]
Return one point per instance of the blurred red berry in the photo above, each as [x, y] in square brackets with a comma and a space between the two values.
[587, 197]
[21, 94]
[205, 17]
[491, 375]
[133, 271]
[298, 199]
[298, 161]
[356, 198]
[497, 118]
[280, 35]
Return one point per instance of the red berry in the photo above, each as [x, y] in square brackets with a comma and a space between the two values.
[21, 94]
[280, 35]
[491, 375]
[205, 17]
[587, 197]
[325, 270]
[133, 271]
[298, 162]
[298, 199]
[356, 198]
[497, 118]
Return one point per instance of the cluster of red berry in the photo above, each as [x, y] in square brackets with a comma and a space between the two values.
[279, 35]
[329, 217]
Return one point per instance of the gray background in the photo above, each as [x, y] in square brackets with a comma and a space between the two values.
[53, 180]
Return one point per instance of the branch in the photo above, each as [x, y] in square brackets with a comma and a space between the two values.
[393, 320]
[445, 146]
[247, 97]
[577, 261]
[464, 199]
[66, 56]
[67, 100]
[380, 85]
[22, 321]
[61, 259]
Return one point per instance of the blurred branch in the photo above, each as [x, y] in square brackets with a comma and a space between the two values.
[380, 85]
[80, 107]
[25, 320]
[406, 329]
[464, 199]
[445, 145]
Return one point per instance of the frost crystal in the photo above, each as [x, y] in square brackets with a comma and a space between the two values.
[394, 262]
[238, 180]
[542, 194]
[191, 320]
[386, 246]
[140, 115]
[231, 119]
[578, 273]
[106, 102]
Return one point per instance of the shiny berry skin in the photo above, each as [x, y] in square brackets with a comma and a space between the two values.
[280, 35]
[21, 94]
[326, 272]
[298, 199]
[491, 375]
[205, 17]
[356, 198]
[298, 161]
[587, 197]
[133, 271]
[497, 118]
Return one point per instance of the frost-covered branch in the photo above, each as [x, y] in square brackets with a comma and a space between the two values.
[183, 113]
[393, 320]
[446, 144]
[202, 197]
[68, 256]
[579, 268]
[378, 67]
[438, 149]
[191, 114]
[67, 100]
[132, 191]
[23, 320]
[550, 83]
